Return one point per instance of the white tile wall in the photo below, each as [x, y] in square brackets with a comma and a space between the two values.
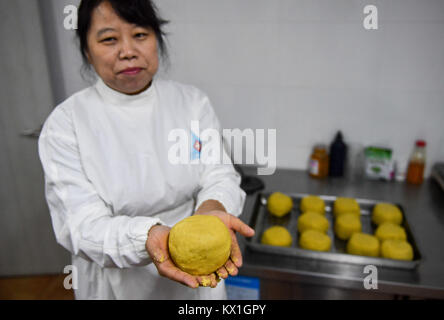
[308, 68]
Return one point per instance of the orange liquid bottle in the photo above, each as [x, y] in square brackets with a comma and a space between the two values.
[318, 167]
[415, 172]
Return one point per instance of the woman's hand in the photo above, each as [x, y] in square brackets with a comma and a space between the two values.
[157, 248]
[234, 225]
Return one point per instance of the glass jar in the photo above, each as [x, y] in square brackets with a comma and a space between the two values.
[318, 167]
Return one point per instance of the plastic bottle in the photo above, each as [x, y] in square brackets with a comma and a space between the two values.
[415, 171]
[338, 153]
[319, 162]
[401, 165]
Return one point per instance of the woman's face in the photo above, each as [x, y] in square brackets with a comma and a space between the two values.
[124, 55]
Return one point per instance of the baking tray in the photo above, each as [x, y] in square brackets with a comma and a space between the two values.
[261, 220]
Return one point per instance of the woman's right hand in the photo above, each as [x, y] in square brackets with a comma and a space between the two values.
[157, 248]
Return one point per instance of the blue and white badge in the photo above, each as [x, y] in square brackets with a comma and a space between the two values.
[242, 288]
[196, 147]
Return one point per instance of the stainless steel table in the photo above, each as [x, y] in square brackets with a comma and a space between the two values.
[285, 277]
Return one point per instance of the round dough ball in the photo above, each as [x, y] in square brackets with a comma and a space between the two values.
[313, 204]
[346, 205]
[347, 224]
[277, 236]
[312, 221]
[386, 212]
[397, 249]
[200, 244]
[315, 240]
[279, 204]
[363, 244]
[390, 231]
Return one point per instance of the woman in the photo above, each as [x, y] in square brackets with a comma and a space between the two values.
[112, 192]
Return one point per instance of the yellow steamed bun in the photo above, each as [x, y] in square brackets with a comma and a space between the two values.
[312, 221]
[396, 249]
[277, 236]
[386, 212]
[200, 244]
[346, 205]
[347, 224]
[279, 204]
[313, 204]
[363, 245]
[314, 240]
[390, 231]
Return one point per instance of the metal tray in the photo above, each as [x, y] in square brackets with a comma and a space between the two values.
[261, 220]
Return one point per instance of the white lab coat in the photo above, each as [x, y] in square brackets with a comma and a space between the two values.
[108, 180]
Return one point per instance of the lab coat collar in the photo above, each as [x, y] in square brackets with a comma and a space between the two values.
[124, 100]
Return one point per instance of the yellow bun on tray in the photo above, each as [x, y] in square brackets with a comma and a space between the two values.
[312, 204]
[314, 240]
[363, 244]
[390, 231]
[396, 249]
[386, 212]
[347, 224]
[313, 221]
[346, 205]
[277, 236]
[279, 204]
[200, 244]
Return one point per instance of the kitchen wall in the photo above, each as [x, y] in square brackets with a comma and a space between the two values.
[307, 68]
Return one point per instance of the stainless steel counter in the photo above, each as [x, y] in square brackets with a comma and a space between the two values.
[288, 277]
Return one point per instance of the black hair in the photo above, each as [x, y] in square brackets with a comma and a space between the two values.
[143, 13]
